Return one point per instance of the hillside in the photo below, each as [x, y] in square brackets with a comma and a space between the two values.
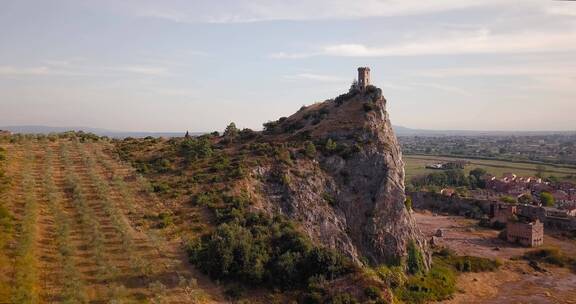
[333, 170]
[78, 226]
[308, 210]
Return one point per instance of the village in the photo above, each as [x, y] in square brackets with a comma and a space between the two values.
[499, 222]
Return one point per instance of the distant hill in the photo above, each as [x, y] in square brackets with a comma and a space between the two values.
[97, 131]
[404, 131]
[399, 130]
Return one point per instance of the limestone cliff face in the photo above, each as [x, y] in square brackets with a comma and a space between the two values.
[351, 195]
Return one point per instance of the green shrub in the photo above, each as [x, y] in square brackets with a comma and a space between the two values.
[436, 285]
[343, 298]
[393, 276]
[508, 200]
[552, 256]
[253, 249]
[310, 149]
[231, 130]
[408, 203]
[415, 260]
[195, 148]
[466, 263]
[330, 145]
[372, 293]
[329, 198]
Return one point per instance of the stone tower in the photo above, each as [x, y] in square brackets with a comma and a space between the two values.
[363, 77]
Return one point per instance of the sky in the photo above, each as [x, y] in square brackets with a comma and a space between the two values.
[175, 65]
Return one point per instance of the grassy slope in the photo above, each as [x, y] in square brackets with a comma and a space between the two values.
[102, 243]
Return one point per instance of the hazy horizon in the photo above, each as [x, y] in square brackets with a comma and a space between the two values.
[151, 66]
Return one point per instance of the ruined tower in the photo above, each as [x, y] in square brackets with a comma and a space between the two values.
[363, 77]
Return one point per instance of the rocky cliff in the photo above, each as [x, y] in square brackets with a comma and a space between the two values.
[350, 194]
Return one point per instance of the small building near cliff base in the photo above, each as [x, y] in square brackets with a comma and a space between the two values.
[530, 234]
[447, 192]
[501, 212]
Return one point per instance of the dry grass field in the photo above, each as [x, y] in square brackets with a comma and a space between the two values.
[76, 230]
[515, 281]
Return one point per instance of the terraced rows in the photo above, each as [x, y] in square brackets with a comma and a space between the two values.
[80, 233]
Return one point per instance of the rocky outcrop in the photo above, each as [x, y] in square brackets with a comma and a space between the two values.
[351, 195]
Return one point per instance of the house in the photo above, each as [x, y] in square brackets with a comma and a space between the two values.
[555, 212]
[448, 192]
[435, 166]
[530, 234]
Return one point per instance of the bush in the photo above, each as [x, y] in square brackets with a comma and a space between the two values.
[547, 199]
[372, 293]
[342, 98]
[408, 203]
[253, 249]
[231, 130]
[330, 145]
[393, 276]
[508, 199]
[310, 150]
[552, 256]
[343, 298]
[368, 107]
[436, 285]
[195, 148]
[415, 259]
[467, 263]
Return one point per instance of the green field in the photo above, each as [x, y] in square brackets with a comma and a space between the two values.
[416, 165]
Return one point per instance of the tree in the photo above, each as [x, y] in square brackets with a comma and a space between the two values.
[231, 130]
[415, 259]
[310, 149]
[476, 178]
[354, 85]
[540, 169]
[508, 200]
[330, 145]
[478, 173]
[525, 198]
[547, 199]
[408, 203]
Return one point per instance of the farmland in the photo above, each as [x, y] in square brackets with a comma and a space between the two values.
[416, 165]
[75, 229]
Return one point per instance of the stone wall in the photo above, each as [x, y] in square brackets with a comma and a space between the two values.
[475, 208]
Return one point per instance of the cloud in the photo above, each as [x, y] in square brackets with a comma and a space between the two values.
[142, 70]
[65, 68]
[478, 42]
[316, 77]
[243, 11]
[33, 71]
[566, 70]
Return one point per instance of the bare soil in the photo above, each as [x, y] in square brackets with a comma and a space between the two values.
[515, 281]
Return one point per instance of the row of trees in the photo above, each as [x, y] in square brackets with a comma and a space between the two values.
[6, 228]
[103, 192]
[89, 222]
[25, 288]
[452, 178]
[72, 287]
